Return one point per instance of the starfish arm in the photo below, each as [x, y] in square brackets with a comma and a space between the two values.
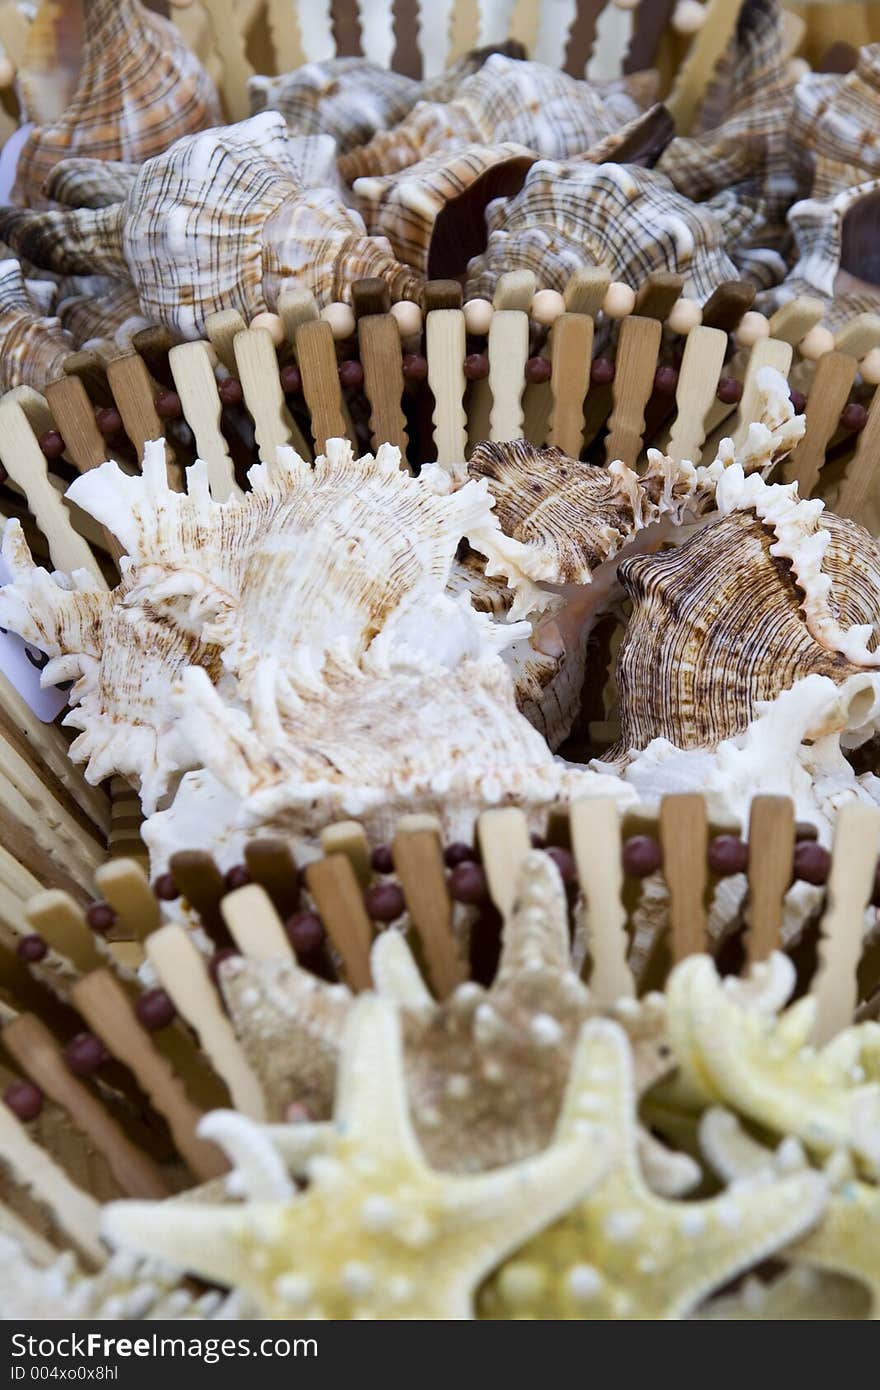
[848, 1239]
[536, 932]
[667, 1173]
[371, 1100]
[395, 973]
[203, 1240]
[601, 1087]
[259, 1171]
[298, 1143]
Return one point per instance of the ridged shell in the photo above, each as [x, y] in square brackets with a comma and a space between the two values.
[33, 346]
[221, 221]
[773, 591]
[553, 115]
[632, 221]
[835, 237]
[834, 127]
[90, 183]
[277, 634]
[140, 88]
[99, 310]
[433, 212]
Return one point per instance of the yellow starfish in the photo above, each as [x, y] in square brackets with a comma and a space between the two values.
[625, 1252]
[377, 1233]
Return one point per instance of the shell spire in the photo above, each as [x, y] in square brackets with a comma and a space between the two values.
[76, 241]
[33, 347]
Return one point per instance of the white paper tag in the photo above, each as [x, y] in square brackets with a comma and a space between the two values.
[21, 664]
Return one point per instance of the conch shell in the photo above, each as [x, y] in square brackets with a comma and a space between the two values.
[222, 220]
[33, 346]
[98, 310]
[630, 220]
[553, 115]
[140, 88]
[834, 127]
[774, 591]
[283, 641]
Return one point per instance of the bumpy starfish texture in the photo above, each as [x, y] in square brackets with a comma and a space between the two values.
[798, 1295]
[626, 1253]
[745, 1056]
[847, 1240]
[377, 1233]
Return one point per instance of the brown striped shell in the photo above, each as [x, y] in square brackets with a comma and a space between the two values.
[833, 128]
[33, 345]
[553, 115]
[98, 310]
[348, 98]
[140, 88]
[222, 220]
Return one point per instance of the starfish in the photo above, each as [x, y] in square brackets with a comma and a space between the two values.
[737, 1050]
[847, 1240]
[797, 1295]
[625, 1252]
[377, 1232]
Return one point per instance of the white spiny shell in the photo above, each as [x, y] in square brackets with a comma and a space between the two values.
[222, 220]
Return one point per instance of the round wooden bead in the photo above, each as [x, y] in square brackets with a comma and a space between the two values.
[869, 367]
[273, 326]
[750, 328]
[688, 17]
[546, 307]
[627, 4]
[478, 316]
[684, 315]
[817, 343]
[340, 318]
[619, 300]
[409, 318]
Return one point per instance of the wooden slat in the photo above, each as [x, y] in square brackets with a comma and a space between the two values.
[695, 73]
[581, 36]
[771, 851]
[635, 364]
[348, 837]
[508, 353]
[75, 418]
[571, 356]
[127, 888]
[850, 885]
[339, 900]
[445, 340]
[595, 842]
[132, 390]
[75, 1212]
[727, 303]
[254, 925]
[379, 339]
[657, 293]
[59, 920]
[767, 352]
[347, 28]
[504, 843]
[684, 836]
[257, 367]
[194, 382]
[316, 354]
[701, 367]
[221, 330]
[418, 863]
[859, 494]
[835, 373]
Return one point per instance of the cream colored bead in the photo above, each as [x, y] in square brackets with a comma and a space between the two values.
[272, 324]
[619, 300]
[340, 318]
[478, 316]
[626, 4]
[688, 17]
[869, 367]
[546, 307]
[798, 68]
[750, 328]
[409, 318]
[684, 315]
[817, 343]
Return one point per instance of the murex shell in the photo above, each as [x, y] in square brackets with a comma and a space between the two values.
[222, 220]
[834, 127]
[268, 642]
[507, 101]
[33, 346]
[630, 220]
[140, 88]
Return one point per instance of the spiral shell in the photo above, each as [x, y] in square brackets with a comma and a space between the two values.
[834, 127]
[832, 236]
[33, 346]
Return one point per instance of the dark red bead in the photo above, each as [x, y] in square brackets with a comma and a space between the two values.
[24, 1099]
[854, 417]
[31, 947]
[382, 860]
[168, 405]
[165, 888]
[602, 371]
[729, 390]
[728, 855]
[236, 877]
[564, 861]
[230, 392]
[811, 862]
[798, 401]
[459, 853]
[665, 381]
[875, 896]
[225, 953]
[538, 369]
[52, 444]
[641, 856]
[84, 1054]
[804, 831]
[305, 932]
[467, 884]
[476, 366]
[415, 366]
[100, 917]
[385, 901]
[109, 421]
[291, 380]
[351, 374]
[155, 1009]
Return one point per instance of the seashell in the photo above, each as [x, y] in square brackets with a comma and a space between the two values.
[98, 309]
[140, 88]
[221, 221]
[833, 127]
[774, 591]
[33, 346]
[90, 183]
[630, 220]
[553, 115]
[277, 633]
[835, 246]
[432, 213]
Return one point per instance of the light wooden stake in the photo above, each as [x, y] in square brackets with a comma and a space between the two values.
[595, 842]
[771, 851]
[316, 354]
[348, 837]
[194, 381]
[684, 837]
[850, 885]
[133, 392]
[339, 900]
[571, 355]
[75, 1213]
[445, 344]
[418, 863]
[835, 373]
[504, 843]
[127, 889]
[701, 367]
[636, 361]
[254, 925]
[257, 367]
